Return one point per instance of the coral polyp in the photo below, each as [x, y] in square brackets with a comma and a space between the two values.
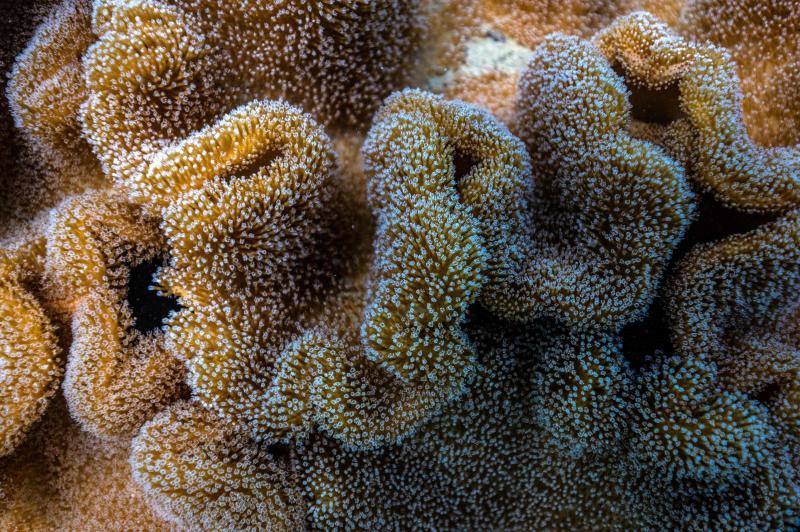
[400, 265]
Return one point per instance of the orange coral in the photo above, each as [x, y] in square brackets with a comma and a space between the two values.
[45, 91]
[251, 191]
[647, 376]
[495, 34]
[63, 478]
[203, 475]
[251, 255]
[118, 371]
[161, 70]
[761, 38]
[30, 365]
[144, 81]
[529, 21]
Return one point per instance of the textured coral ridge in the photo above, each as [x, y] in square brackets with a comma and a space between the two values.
[251, 254]
[431, 258]
[746, 323]
[162, 69]
[118, 374]
[272, 318]
[207, 476]
[605, 210]
[247, 206]
[483, 462]
[353, 384]
[724, 158]
[45, 93]
[29, 352]
[759, 36]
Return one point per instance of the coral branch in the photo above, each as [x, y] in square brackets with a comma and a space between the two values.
[435, 223]
[45, 91]
[161, 70]
[725, 159]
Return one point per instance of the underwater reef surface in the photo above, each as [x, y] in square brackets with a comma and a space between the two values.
[400, 265]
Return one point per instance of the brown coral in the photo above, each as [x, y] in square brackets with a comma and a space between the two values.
[605, 210]
[530, 21]
[30, 365]
[761, 38]
[161, 70]
[250, 192]
[482, 463]
[144, 81]
[251, 254]
[688, 428]
[45, 92]
[413, 355]
[63, 478]
[493, 32]
[745, 321]
[203, 475]
[706, 457]
[725, 160]
[118, 371]
[337, 388]
[686, 452]
[436, 223]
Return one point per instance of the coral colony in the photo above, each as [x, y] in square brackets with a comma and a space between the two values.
[401, 265]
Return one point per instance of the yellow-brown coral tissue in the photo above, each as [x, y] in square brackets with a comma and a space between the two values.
[400, 265]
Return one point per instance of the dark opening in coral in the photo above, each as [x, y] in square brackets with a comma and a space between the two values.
[768, 393]
[715, 221]
[251, 167]
[463, 163]
[653, 106]
[645, 338]
[148, 307]
[280, 452]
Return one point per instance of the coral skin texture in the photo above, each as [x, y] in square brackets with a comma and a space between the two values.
[117, 375]
[30, 353]
[401, 265]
